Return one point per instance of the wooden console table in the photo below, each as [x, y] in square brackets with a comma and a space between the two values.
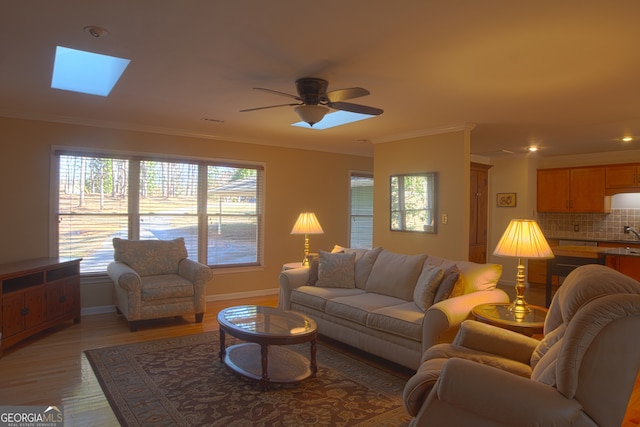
[35, 295]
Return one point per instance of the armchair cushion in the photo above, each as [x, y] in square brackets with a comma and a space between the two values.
[150, 257]
[166, 286]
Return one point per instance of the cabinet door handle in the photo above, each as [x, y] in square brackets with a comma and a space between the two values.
[24, 311]
[62, 298]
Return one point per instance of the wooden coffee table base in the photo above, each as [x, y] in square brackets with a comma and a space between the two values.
[269, 364]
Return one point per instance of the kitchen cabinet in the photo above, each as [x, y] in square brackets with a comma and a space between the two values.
[629, 265]
[35, 295]
[537, 269]
[479, 212]
[622, 179]
[572, 190]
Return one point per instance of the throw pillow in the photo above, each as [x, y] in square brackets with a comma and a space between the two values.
[450, 277]
[425, 290]
[336, 270]
[313, 269]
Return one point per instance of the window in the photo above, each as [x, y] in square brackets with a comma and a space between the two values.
[216, 207]
[413, 202]
[361, 215]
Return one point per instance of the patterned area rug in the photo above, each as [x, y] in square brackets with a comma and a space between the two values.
[181, 382]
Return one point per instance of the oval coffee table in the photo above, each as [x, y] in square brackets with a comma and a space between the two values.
[265, 329]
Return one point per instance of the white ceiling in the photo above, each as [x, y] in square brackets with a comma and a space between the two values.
[559, 74]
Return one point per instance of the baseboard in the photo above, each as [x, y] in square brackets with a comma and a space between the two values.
[248, 294]
[89, 311]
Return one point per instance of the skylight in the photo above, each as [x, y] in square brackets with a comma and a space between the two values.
[86, 72]
[337, 118]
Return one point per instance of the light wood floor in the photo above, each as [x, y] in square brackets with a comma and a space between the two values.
[51, 369]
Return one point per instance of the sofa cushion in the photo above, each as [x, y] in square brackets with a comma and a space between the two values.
[316, 297]
[336, 270]
[426, 286]
[478, 277]
[357, 307]
[402, 319]
[395, 274]
[364, 264]
[165, 286]
[450, 277]
[150, 257]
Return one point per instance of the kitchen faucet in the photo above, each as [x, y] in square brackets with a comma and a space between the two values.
[628, 230]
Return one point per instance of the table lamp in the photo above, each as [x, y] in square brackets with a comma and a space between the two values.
[522, 239]
[306, 224]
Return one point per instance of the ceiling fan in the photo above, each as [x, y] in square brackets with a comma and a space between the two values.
[314, 101]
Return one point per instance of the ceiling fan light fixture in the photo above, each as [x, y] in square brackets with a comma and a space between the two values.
[311, 114]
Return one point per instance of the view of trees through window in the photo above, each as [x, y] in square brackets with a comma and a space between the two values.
[413, 202]
[216, 208]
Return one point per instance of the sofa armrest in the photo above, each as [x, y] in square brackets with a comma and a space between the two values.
[124, 276]
[474, 391]
[289, 280]
[494, 340]
[447, 315]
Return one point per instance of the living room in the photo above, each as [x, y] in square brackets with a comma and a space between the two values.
[303, 170]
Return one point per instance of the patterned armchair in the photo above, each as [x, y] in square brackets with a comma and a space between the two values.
[154, 279]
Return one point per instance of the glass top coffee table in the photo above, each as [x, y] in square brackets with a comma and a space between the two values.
[266, 330]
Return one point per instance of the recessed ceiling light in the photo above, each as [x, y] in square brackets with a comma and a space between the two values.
[533, 149]
[97, 32]
[627, 138]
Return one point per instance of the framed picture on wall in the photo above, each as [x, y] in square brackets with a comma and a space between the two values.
[506, 200]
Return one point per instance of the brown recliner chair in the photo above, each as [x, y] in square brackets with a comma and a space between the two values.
[581, 373]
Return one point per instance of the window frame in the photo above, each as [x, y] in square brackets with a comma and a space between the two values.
[133, 208]
[354, 174]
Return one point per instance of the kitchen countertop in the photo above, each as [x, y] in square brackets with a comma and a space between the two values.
[598, 241]
[622, 252]
[593, 251]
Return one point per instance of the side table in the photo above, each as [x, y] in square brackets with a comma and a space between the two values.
[499, 315]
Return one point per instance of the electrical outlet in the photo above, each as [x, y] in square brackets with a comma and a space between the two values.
[445, 218]
[576, 227]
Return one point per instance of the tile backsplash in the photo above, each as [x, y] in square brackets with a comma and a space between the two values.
[590, 225]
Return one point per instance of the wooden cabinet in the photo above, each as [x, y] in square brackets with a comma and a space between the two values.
[622, 179]
[479, 212]
[37, 294]
[629, 265]
[572, 190]
[537, 269]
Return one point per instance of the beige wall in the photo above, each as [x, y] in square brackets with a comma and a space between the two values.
[447, 154]
[295, 181]
[513, 174]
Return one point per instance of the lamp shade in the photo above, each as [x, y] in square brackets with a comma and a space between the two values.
[307, 223]
[523, 239]
[311, 114]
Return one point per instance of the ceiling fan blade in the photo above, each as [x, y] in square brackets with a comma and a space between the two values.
[270, 106]
[348, 93]
[356, 108]
[275, 92]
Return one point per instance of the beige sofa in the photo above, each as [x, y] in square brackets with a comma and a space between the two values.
[391, 305]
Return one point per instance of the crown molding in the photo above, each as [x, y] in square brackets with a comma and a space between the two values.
[466, 126]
